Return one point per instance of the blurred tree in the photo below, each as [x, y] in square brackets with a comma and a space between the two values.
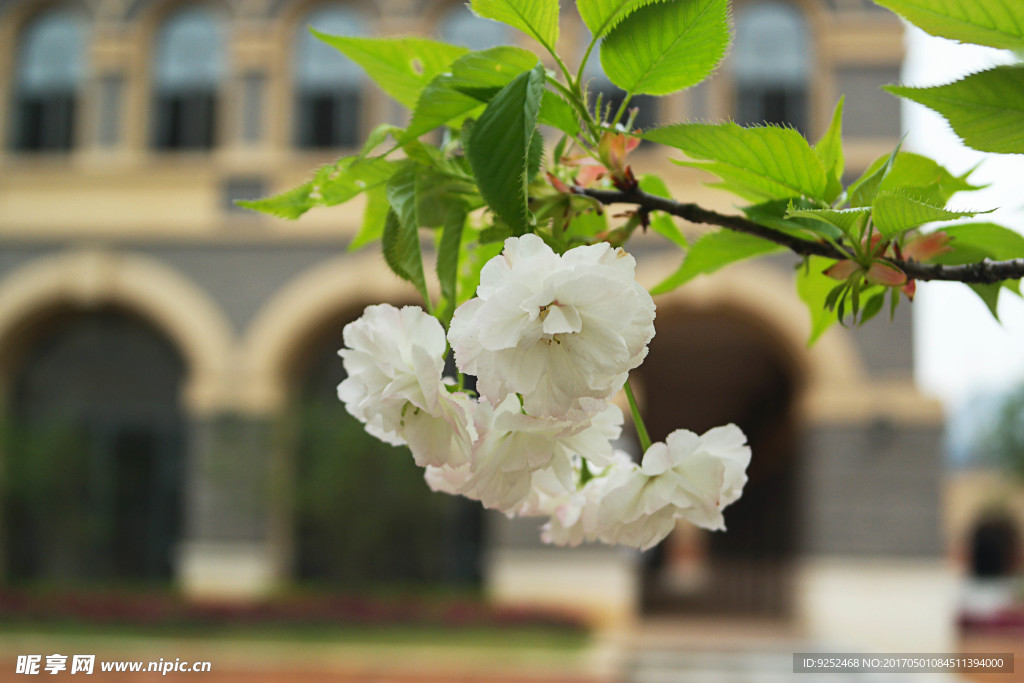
[1005, 441]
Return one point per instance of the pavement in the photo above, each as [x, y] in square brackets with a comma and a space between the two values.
[733, 651]
[651, 651]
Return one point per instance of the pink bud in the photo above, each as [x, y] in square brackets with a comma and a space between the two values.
[842, 270]
[590, 174]
[882, 273]
[557, 183]
[910, 289]
[925, 247]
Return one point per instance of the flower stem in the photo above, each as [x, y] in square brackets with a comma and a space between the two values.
[638, 422]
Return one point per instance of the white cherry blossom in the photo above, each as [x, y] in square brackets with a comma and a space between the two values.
[709, 471]
[561, 331]
[575, 515]
[551, 339]
[445, 479]
[513, 447]
[394, 359]
[444, 436]
[687, 476]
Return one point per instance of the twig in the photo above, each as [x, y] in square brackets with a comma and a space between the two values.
[985, 271]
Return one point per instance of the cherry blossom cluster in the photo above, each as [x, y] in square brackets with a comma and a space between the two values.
[551, 339]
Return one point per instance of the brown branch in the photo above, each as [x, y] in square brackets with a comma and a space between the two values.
[983, 272]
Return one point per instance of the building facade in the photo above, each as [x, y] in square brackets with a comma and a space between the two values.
[169, 336]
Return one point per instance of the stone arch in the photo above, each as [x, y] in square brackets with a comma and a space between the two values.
[283, 324]
[731, 347]
[288, 361]
[832, 365]
[149, 17]
[151, 12]
[20, 15]
[92, 278]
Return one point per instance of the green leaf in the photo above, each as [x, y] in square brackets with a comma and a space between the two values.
[863, 190]
[290, 204]
[448, 260]
[665, 47]
[989, 294]
[402, 67]
[401, 244]
[499, 148]
[773, 214]
[554, 111]
[537, 18]
[601, 16]
[440, 104]
[815, 289]
[759, 163]
[661, 222]
[985, 109]
[378, 135]
[850, 222]
[586, 224]
[830, 152]
[873, 306]
[534, 156]
[424, 195]
[401, 240]
[895, 212]
[924, 179]
[713, 251]
[475, 256]
[474, 80]
[331, 185]
[498, 232]
[995, 241]
[996, 23]
[402, 192]
[374, 215]
[491, 69]
[973, 242]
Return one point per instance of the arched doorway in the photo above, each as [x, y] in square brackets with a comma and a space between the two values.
[995, 547]
[93, 449]
[363, 515]
[709, 367]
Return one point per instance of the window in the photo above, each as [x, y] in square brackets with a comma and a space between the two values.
[461, 27]
[189, 67]
[771, 58]
[47, 75]
[329, 86]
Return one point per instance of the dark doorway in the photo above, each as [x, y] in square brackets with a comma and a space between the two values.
[708, 368]
[995, 548]
[93, 451]
[363, 515]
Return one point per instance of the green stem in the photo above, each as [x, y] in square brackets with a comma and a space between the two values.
[561, 66]
[585, 473]
[622, 110]
[583, 62]
[638, 422]
[577, 103]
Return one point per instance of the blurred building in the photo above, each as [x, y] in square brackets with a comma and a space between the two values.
[167, 360]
